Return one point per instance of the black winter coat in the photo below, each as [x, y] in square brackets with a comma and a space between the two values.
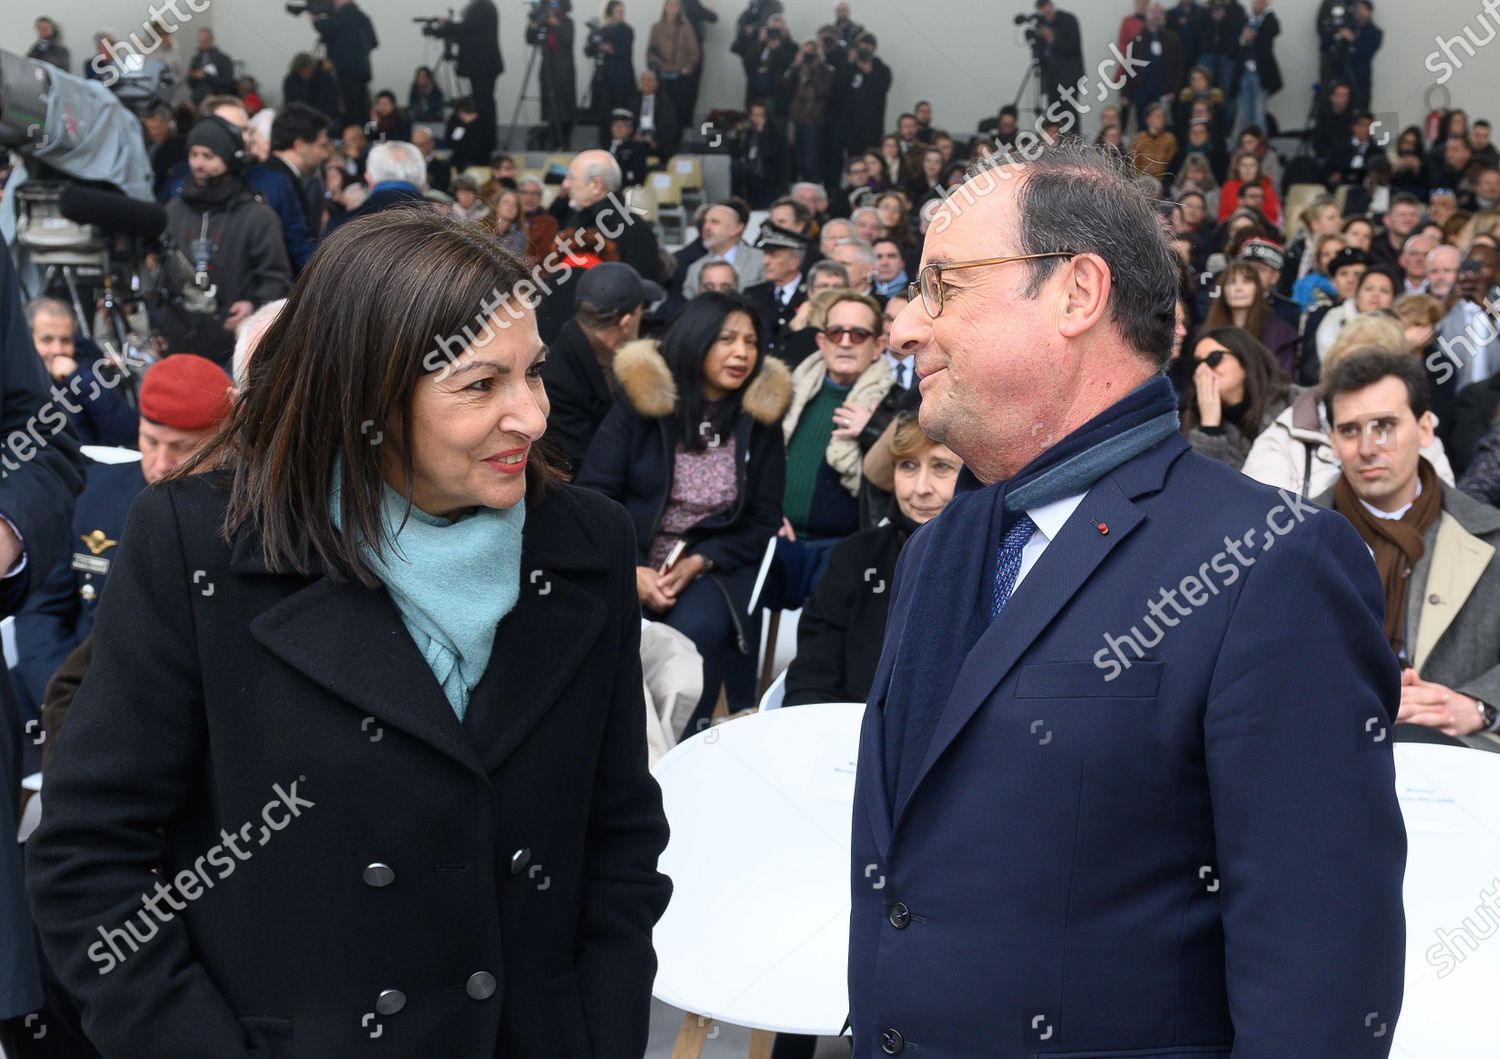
[843, 622]
[477, 34]
[484, 888]
[578, 391]
[634, 453]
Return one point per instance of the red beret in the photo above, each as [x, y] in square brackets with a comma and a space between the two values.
[185, 391]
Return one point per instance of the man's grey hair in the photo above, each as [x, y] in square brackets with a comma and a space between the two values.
[50, 306]
[607, 171]
[865, 209]
[396, 160]
[866, 251]
[828, 268]
[719, 263]
[530, 181]
[247, 336]
[1443, 248]
[1085, 200]
[820, 193]
[841, 224]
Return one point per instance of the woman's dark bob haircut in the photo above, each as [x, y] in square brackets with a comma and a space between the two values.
[384, 301]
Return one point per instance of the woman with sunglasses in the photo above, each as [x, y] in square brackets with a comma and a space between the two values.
[692, 449]
[1237, 392]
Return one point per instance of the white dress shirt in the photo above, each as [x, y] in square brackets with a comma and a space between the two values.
[1049, 519]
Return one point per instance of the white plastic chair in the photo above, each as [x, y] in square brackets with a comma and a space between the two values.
[775, 695]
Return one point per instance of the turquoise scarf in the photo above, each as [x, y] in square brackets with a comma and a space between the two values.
[452, 581]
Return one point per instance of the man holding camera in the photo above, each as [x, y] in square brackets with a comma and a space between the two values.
[861, 88]
[1348, 40]
[1058, 47]
[809, 82]
[477, 35]
[611, 45]
[349, 36]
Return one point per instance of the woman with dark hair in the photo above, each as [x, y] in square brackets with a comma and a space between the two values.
[424, 100]
[895, 219]
[1239, 300]
[843, 621]
[379, 664]
[1409, 168]
[1237, 392]
[510, 221]
[692, 448]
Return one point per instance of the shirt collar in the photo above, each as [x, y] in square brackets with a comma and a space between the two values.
[1392, 516]
[1049, 518]
[789, 288]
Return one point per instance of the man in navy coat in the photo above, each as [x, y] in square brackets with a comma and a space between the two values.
[1125, 785]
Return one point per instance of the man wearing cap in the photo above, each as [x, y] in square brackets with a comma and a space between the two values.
[232, 245]
[1268, 259]
[784, 289]
[628, 151]
[182, 400]
[578, 373]
[722, 232]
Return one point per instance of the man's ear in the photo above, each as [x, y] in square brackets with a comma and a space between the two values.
[1084, 297]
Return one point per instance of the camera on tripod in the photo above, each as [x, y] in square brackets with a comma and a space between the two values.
[315, 8]
[1030, 22]
[537, 26]
[591, 49]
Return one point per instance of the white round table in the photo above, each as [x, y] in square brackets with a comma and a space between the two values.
[757, 933]
[1450, 797]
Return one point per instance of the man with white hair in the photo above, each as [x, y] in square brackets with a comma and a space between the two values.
[1442, 270]
[867, 224]
[858, 259]
[832, 234]
[247, 338]
[396, 174]
[814, 197]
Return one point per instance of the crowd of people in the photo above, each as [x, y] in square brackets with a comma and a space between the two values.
[745, 393]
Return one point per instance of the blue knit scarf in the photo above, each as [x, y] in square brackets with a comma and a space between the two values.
[958, 564]
[452, 581]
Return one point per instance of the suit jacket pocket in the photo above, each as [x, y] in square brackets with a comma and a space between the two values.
[267, 1037]
[1085, 680]
[567, 997]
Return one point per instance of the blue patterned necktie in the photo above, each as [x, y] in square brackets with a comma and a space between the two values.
[1008, 567]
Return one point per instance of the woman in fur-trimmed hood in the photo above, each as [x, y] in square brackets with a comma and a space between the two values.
[692, 448]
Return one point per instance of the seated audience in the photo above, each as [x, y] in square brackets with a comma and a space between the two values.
[1240, 301]
[843, 622]
[1437, 550]
[722, 231]
[1293, 452]
[1237, 392]
[693, 449]
[96, 408]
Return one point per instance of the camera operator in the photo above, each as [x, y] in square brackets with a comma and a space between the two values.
[673, 54]
[861, 88]
[1351, 40]
[477, 34]
[611, 45]
[767, 63]
[49, 46]
[231, 241]
[349, 36]
[551, 29]
[810, 82]
[1058, 49]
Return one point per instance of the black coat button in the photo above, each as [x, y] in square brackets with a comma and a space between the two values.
[518, 861]
[900, 915]
[891, 1042]
[390, 1001]
[378, 875]
[481, 985]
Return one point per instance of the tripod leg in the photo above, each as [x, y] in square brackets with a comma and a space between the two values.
[521, 95]
[84, 325]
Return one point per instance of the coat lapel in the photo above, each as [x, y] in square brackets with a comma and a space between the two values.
[350, 640]
[1459, 560]
[1058, 576]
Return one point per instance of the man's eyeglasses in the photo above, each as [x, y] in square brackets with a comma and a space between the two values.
[857, 335]
[930, 280]
[1380, 431]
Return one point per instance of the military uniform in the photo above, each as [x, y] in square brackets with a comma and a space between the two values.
[60, 614]
[776, 318]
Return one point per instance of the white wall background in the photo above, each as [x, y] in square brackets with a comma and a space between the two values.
[963, 55]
